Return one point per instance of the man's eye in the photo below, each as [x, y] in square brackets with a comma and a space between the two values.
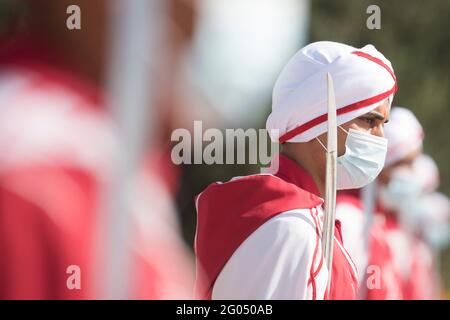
[369, 121]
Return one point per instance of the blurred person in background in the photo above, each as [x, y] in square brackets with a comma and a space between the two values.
[398, 192]
[434, 223]
[423, 213]
[58, 141]
[226, 76]
[397, 242]
[416, 217]
[258, 236]
[366, 240]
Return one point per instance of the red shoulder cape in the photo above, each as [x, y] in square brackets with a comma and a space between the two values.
[227, 213]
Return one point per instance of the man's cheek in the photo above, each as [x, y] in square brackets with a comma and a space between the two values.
[341, 143]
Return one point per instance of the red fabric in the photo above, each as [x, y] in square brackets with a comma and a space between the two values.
[48, 213]
[229, 212]
[48, 68]
[313, 273]
[40, 239]
[323, 118]
[380, 255]
[379, 62]
[348, 198]
[344, 283]
[47, 223]
[423, 284]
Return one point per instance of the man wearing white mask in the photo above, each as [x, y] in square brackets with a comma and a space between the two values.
[435, 230]
[396, 247]
[259, 236]
[435, 220]
[364, 236]
[421, 215]
[399, 188]
[397, 183]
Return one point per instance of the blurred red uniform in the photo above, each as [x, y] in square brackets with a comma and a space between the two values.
[259, 237]
[57, 143]
[413, 261]
[379, 280]
[423, 284]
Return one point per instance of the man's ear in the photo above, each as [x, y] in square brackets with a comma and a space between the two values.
[342, 137]
[321, 141]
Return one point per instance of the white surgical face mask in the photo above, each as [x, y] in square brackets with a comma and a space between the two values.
[401, 189]
[363, 159]
[402, 195]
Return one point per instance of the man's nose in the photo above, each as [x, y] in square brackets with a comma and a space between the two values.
[378, 131]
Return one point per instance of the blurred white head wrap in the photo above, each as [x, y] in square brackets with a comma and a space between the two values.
[435, 220]
[363, 79]
[426, 172]
[404, 134]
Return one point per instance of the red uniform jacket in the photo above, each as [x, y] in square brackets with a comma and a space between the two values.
[229, 212]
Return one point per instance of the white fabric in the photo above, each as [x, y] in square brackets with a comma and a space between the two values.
[400, 245]
[52, 123]
[353, 235]
[401, 192]
[425, 279]
[274, 262]
[426, 172]
[300, 92]
[404, 134]
[435, 219]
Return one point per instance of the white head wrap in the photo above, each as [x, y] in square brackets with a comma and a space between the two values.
[363, 79]
[404, 134]
[435, 219]
[426, 172]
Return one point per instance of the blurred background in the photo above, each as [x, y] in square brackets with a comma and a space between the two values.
[86, 117]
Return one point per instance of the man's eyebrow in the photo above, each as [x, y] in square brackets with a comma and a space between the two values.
[376, 115]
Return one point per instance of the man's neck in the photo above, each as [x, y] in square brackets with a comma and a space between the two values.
[310, 166]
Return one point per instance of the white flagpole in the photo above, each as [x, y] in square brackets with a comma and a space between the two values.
[368, 199]
[330, 188]
[128, 93]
